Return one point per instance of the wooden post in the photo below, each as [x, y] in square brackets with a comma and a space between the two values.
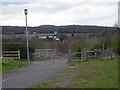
[85, 53]
[55, 54]
[103, 46]
[110, 53]
[82, 53]
[99, 54]
[69, 57]
[18, 54]
[95, 53]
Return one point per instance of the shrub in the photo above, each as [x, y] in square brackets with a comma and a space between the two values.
[18, 44]
[78, 47]
[95, 45]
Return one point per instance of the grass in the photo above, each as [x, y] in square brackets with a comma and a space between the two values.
[90, 74]
[96, 74]
[9, 65]
[91, 40]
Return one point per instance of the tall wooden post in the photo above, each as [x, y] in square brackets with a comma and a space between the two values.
[69, 59]
[95, 53]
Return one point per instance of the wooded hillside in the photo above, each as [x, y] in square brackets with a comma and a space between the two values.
[98, 30]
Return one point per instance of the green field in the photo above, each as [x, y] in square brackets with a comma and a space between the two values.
[9, 65]
[90, 74]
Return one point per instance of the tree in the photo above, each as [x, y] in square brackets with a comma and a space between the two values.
[61, 36]
[72, 34]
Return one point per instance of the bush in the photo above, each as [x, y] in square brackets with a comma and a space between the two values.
[112, 43]
[95, 45]
[18, 44]
[78, 47]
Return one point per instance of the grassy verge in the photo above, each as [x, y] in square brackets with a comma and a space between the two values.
[97, 74]
[91, 74]
[9, 65]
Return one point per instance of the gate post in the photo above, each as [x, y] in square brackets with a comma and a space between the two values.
[18, 54]
[83, 55]
[110, 53]
[95, 53]
[69, 59]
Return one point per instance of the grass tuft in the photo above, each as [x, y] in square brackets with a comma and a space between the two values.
[9, 65]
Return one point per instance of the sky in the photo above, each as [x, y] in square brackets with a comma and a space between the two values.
[59, 12]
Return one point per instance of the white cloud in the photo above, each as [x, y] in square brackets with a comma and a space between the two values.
[62, 12]
[60, 0]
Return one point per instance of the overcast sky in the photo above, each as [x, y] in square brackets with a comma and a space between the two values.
[59, 12]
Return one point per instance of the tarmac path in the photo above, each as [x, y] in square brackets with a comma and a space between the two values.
[35, 73]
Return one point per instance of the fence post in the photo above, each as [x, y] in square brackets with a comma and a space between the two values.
[69, 55]
[18, 54]
[95, 53]
[110, 53]
[83, 55]
[55, 54]
[99, 54]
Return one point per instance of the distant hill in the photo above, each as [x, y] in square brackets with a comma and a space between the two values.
[59, 29]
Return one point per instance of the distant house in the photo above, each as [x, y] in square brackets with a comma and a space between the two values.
[57, 39]
[42, 37]
[55, 32]
[34, 32]
[50, 36]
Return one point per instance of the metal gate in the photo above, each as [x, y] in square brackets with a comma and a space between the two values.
[45, 53]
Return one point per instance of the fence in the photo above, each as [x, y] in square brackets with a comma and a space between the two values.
[11, 54]
[85, 55]
[45, 53]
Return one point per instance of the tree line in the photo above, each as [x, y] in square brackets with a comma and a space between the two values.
[60, 29]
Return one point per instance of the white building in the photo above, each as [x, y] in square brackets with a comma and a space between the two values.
[55, 32]
[42, 37]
